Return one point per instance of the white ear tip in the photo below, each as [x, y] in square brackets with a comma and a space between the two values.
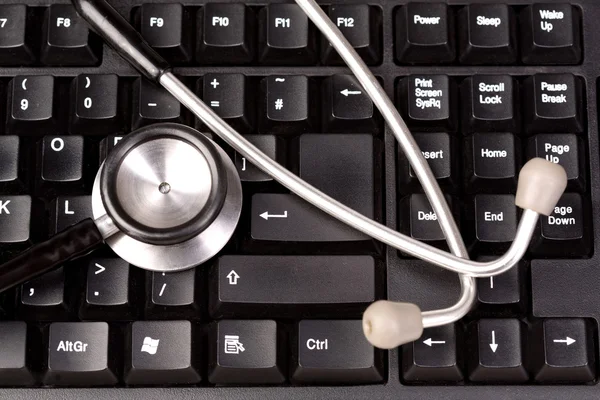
[541, 185]
[387, 324]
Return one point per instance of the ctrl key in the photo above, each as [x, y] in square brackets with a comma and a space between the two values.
[335, 352]
[78, 355]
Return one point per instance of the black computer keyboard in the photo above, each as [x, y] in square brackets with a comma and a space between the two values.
[484, 87]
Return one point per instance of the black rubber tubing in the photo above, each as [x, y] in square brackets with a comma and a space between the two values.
[75, 241]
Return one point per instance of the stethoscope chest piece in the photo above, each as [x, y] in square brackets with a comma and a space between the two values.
[173, 194]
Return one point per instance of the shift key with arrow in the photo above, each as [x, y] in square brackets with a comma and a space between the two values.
[347, 107]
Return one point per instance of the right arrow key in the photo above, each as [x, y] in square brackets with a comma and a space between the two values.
[562, 351]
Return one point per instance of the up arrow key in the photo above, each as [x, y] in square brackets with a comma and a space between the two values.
[233, 277]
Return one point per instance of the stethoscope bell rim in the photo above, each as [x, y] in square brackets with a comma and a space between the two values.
[187, 252]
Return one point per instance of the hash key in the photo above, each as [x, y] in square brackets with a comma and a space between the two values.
[562, 350]
[286, 107]
[31, 105]
[553, 103]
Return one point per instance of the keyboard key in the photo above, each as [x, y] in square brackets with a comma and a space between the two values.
[268, 144]
[153, 104]
[107, 294]
[486, 34]
[166, 28]
[346, 107]
[550, 34]
[31, 105]
[286, 37]
[227, 95]
[95, 104]
[433, 357]
[245, 352]
[334, 352]
[287, 108]
[439, 150]
[69, 210]
[15, 215]
[162, 352]
[44, 298]
[173, 295]
[15, 44]
[495, 222]
[553, 103]
[562, 351]
[226, 34]
[427, 102]
[424, 34]
[361, 25]
[291, 286]
[107, 144]
[67, 39]
[492, 162]
[80, 354]
[418, 220]
[503, 289]
[564, 233]
[15, 366]
[496, 354]
[566, 150]
[489, 104]
[62, 159]
[9, 159]
[287, 218]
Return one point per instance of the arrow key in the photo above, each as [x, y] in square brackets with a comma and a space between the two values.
[496, 354]
[346, 106]
[434, 357]
[562, 351]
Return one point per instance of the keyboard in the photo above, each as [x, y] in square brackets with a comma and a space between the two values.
[483, 86]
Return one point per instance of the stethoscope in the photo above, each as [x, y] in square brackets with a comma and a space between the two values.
[167, 198]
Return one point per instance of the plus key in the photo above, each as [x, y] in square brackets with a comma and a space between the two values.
[226, 94]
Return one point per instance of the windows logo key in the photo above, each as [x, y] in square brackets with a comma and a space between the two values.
[150, 345]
